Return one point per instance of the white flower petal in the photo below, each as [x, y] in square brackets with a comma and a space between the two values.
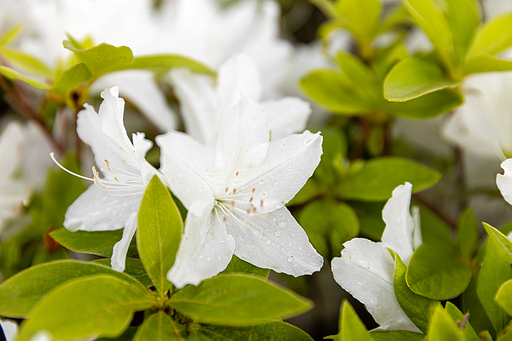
[186, 164]
[286, 116]
[366, 271]
[204, 251]
[237, 75]
[10, 329]
[96, 210]
[273, 241]
[399, 222]
[504, 181]
[286, 168]
[118, 259]
[198, 104]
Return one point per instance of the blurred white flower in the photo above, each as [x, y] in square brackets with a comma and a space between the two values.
[203, 102]
[235, 196]
[123, 174]
[366, 269]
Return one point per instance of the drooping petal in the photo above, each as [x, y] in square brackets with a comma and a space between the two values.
[366, 270]
[204, 251]
[504, 181]
[399, 222]
[273, 241]
[118, 259]
[187, 165]
[236, 76]
[140, 147]
[96, 210]
[198, 104]
[286, 116]
[286, 168]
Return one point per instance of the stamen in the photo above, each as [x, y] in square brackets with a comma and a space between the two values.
[261, 203]
[250, 200]
[108, 165]
[52, 155]
[253, 190]
[254, 209]
[236, 174]
[232, 203]
[227, 189]
[125, 162]
[248, 211]
[224, 219]
[234, 190]
[116, 178]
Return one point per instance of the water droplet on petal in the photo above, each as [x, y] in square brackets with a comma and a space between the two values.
[283, 145]
[289, 169]
[277, 233]
[201, 256]
[274, 219]
[262, 181]
[300, 247]
[282, 224]
[263, 194]
[290, 259]
[268, 242]
[208, 259]
[290, 244]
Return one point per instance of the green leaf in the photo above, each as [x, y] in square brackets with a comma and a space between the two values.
[396, 335]
[486, 63]
[329, 224]
[437, 273]
[237, 300]
[467, 230]
[456, 314]
[443, 327]
[471, 303]
[334, 91]
[501, 242]
[163, 63]
[25, 62]
[427, 106]
[380, 176]
[281, 331]
[239, 266]
[434, 231]
[85, 307]
[70, 79]
[504, 297]
[361, 17]
[429, 17]
[15, 75]
[494, 37]
[133, 267]
[102, 58]
[158, 233]
[412, 78]
[97, 243]
[418, 308]
[22, 291]
[159, 327]
[363, 79]
[10, 34]
[352, 328]
[494, 272]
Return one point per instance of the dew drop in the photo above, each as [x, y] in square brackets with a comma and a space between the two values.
[277, 233]
[201, 256]
[208, 259]
[274, 219]
[290, 244]
[295, 264]
[276, 184]
[276, 207]
[289, 169]
[290, 259]
[262, 181]
[263, 194]
[283, 145]
[282, 224]
[268, 242]
[300, 248]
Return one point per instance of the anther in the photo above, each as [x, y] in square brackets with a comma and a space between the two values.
[125, 162]
[261, 203]
[106, 189]
[236, 173]
[254, 209]
[232, 203]
[253, 190]
[116, 178]
[227, 189]
[108, 165]
[248, 211]
[234, 190]
[224, 219]
[250, 200]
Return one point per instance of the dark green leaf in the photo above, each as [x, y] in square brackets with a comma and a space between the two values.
[467, 231]
[234, 300]
[239, 266]
[70, 79]
[396, 335]
[85, 307]
[456, 314]
[159, 327]
[379, 177]
[434, 231]
[158, 233]
[133, 267]
[501, 242]
[272, 331]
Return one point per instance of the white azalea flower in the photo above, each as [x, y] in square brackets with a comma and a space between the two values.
[366, 269]
[504, 181]
[203, 102]
[235, 196]
[113, 202]
[13, 190]
[10, 330]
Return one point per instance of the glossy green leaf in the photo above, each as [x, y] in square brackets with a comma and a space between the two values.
[412, 78]
[396, 335]
[281, 331]
[361, 17]
[159, 327]
[158, 233]
[437, 273]
[418, 308]
[486, 63]
[380, 176]
[352, 328]
[239, 266]
[427, 106]
[237, 300]
[463, 17]
[71, 78]
[434, 231]
[494, 272]
[102, 58]
[163, 63]
[334, 91]
[430, 18]
[471, 302]
[85, 307]
[22, 291]
[334, 147]
[25, 62]
[133, 267]
[494, 37]
[467, 230]
[329, 224]
[457, 316]
[15, 75]
[97, 243]
[501, 242]
[10, 34]
[443, 327]
[308, 192]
